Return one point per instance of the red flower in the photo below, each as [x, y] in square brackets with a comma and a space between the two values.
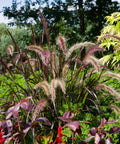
[1, 138]
[60, 135]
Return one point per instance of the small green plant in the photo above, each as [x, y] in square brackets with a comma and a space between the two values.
[110, 40]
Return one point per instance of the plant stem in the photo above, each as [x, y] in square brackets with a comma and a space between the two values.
[73, 135]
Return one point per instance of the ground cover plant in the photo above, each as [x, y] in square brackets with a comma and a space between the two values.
[52, 94]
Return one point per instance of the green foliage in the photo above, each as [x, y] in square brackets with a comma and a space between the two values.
[83, 19]
[110, 39]
[22, 37]
[56, 81]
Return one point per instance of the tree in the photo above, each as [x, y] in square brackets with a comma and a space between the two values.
[83, 17]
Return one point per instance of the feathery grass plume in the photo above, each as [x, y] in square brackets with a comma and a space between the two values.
[32, 63]
[45, 56]
[75, 47]
[53, 58]
[37, 49]
[40, 106]
[17, 57]
[78, 58]
[107, 36]
[10, 50]
[110, 90]
[115, 108]
[61, 84]
[61, 42]
[93, 49]
[110, 74]
[45, 85]
[65, 70]
[94, 61]
[45, 27]
[54, 84]
[53, 94]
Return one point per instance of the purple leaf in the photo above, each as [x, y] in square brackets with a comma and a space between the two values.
[115, 129]
[103, 133]
[44, 120]
[7, 126]
[113, 121]
[68, 114]
[89, 138]
[27, 106]
[73, 125]
[25, 99]
[64, 119]
[103, 122]
[26, 128]
[97, 138]
[108, 140]
[93, 131]
[13, 111]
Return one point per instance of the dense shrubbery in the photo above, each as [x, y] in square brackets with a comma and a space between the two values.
[55, 88]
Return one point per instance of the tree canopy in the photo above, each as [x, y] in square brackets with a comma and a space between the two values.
[67, 17]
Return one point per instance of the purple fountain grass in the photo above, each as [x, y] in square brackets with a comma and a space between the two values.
[110, 90]
[61, 42]
[45, 26]
[54, 84]
[10, 50]
[65, 71]
[115, 108]
[40, 106]
[53, 62]
[77, 46]
[45, 85]
[107, 36]
[93, 49]
[94, 61]
[110, 74]
[37, 49]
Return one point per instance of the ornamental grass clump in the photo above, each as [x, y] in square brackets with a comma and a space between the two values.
[59, 76]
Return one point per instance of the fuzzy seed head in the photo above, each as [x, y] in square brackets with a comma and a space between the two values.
[77, 46]
[10, 50]
[110, 90]
[40, 106]
[61, 42]
[45, 85]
